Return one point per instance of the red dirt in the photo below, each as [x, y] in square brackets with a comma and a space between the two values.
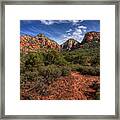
[72, 87]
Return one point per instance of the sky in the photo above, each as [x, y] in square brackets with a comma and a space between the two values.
[59, 30]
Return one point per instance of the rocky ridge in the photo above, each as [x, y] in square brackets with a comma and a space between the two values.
[30, 43]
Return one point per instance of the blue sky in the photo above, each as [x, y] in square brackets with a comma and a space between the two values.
[59, 30]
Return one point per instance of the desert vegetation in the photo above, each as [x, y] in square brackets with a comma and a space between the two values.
[49, 73]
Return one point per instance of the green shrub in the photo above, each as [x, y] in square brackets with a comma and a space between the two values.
[61, 61]
[31, 75]
[74, 67]
[22, 79]
[97, 95]
[50, 72]
[84, 57]
[65, 70]
[96, 86]
[88, 70]
[34, 59]
[54, 57]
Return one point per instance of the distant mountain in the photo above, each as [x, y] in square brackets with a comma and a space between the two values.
[91, 36]
[91, 39]
[29, 43]
[70, 44]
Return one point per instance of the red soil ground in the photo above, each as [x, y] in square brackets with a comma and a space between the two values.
[72, 87]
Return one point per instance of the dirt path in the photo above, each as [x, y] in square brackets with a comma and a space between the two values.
[72, 87]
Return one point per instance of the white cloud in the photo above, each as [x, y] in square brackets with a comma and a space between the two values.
[47, 22]
[75, 22]
[78, 30]
[83, 27]
[76, 33]
[50, 22]
[70, 30]
[84, 30]
[69, 34]
[81, 20]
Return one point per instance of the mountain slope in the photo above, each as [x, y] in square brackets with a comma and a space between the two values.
[91, 36]
[29, 43]
[70, 44]
[91, 39]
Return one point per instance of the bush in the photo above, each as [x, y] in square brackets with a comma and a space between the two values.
[30, 60]
[88, 70]
[85, 57]
[54, 57]
[61, 61]
[74, 67]
[31, 75]
[65, 70]
[34, 59]
[50, 72]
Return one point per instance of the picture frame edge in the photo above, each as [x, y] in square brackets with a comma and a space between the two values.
[2, 67]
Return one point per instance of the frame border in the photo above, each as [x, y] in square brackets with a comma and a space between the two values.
[62, 2]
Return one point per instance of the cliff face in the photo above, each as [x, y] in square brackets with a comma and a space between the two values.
[91, 39]
[70, 44]
[91, 36]
[29, 43]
